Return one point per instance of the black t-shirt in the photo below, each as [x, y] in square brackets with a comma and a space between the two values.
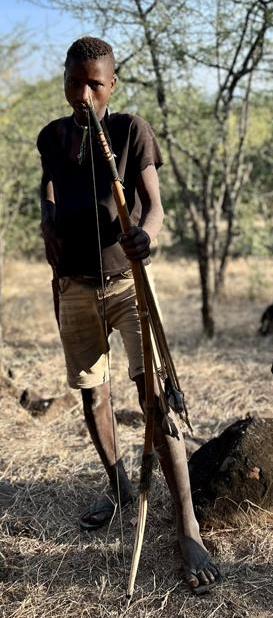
[134, 145]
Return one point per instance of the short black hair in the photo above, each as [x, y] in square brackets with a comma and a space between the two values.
[89, 48]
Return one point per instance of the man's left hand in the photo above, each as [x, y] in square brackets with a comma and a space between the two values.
[136, 243]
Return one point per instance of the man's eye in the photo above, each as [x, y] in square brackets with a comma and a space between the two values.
[96, 87]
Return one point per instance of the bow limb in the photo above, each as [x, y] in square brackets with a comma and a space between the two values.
[147, 458]
[146, 473]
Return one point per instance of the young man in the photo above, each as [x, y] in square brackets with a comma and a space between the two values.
[84, 245]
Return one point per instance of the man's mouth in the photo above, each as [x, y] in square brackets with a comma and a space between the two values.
[81, 114]
[81, 109]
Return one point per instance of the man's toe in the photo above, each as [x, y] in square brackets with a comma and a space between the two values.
[191, 579]
[209, 575]
[202, 577]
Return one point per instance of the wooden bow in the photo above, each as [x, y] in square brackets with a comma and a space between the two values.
[171, 394]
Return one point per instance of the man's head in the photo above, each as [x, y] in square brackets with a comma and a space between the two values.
[89, 69]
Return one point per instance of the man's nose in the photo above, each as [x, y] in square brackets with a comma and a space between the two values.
[85, 94]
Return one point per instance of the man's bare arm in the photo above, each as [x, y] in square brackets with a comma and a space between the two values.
[52, 243]
[47, 202]
[149, 193]
[136, 243]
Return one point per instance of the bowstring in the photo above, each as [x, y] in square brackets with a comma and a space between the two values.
[106, 335]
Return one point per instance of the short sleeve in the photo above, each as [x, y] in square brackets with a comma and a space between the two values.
[44, 147]
[41, 141]
[143, 145]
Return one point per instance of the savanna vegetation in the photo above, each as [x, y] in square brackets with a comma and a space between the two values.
[216, 137]
[201, 74]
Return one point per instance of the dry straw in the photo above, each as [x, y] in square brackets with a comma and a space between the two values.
[49, 471]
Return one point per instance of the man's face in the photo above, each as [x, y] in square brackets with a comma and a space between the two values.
[91, 77]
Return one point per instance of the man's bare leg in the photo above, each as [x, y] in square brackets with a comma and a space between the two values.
[200, 573]
[102, 427]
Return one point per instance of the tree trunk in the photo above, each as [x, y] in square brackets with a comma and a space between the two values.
[206, 291]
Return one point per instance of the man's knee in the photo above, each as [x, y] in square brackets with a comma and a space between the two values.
[96, 396]
[140, 384]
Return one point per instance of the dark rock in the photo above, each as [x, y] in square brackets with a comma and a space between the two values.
[48, 407]
[35, 405]
[131, 418]
[266, 324]
[234, 469]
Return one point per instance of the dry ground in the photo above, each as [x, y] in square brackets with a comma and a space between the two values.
[49, 471]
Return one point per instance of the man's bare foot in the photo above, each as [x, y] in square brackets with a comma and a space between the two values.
[199, 571]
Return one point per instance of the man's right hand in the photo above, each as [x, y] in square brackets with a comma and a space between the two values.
[136, 243]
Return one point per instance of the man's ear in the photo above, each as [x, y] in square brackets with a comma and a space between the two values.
[114, 82]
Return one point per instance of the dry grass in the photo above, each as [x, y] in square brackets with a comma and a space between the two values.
[49, 470]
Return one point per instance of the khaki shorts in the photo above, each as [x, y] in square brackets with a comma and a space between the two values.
[86, 321]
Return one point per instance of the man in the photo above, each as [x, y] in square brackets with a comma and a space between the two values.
[91, 264]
